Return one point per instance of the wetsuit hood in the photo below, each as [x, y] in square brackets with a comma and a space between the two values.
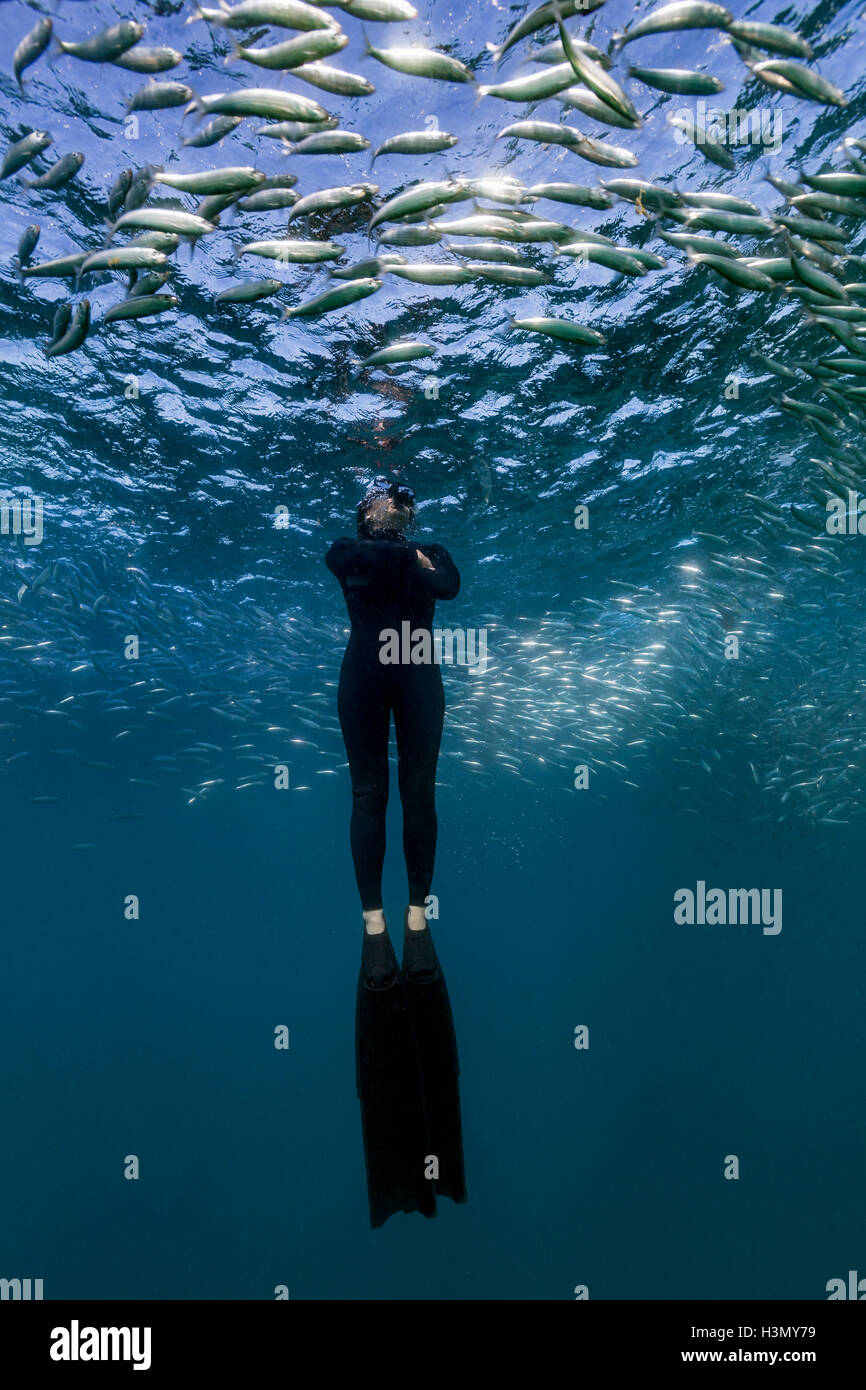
[382, 488]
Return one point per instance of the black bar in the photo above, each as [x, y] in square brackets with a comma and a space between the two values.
[307, 1336]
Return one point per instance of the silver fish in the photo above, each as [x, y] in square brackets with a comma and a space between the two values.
[63, 267]
[213, 131]
[27, 244]
[288, 14]
[270, 102]
[164, 220]
[685, 14]
[233, 179]
[335, 80]
[564, 329]
[106, 46]
[74, 335]
[421, 62]
[140, 307]
[297, 252]
[306, 48]
[250, 291]
[416, 142]
[332, 142]
[139, 59]
[336, 298]
[31, 47]
[24, 151]
[329, 199]
[160, 96]
[59, 173]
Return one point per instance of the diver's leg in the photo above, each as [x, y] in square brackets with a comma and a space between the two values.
[365, 721]
[419, 711]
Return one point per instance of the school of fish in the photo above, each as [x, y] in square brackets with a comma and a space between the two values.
[600, 681]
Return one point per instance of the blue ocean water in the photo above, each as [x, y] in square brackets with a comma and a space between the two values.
[162, 453]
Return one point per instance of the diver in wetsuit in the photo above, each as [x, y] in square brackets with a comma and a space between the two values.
[406, 1053]
[386, 582]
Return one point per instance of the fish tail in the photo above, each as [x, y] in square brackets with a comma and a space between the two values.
[19, 269]
[496, 50]
[236, 55]
[193, 106]
[368, 47]
[479, 93]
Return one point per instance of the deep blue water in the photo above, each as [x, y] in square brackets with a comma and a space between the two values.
[154, 1037]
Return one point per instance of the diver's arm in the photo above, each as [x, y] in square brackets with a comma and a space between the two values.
[443, 579]
[369, 558]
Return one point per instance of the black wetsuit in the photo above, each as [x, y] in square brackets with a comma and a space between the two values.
[384, 586]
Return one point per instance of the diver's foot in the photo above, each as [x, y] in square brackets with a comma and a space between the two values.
[374, 921]
[419, 953]
[416, 918]
[379, 968]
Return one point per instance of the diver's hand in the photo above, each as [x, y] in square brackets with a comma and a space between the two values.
[423, 561]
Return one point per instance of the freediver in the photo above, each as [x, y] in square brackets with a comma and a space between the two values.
[406, 1053]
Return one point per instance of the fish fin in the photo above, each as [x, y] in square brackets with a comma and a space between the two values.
[236, 55]
[368, 47]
